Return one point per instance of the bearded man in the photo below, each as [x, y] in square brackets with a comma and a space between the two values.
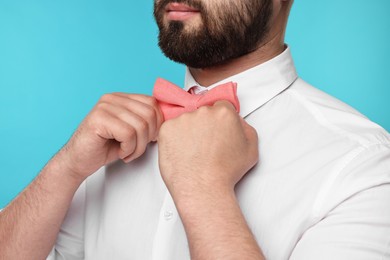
[145, 186]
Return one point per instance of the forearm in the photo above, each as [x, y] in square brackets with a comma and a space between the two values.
[29, 225]
[215, 226]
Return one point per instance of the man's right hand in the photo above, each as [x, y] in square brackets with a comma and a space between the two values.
[119, 127]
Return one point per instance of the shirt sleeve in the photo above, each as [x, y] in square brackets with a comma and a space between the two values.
[356, 217]
[70, 240]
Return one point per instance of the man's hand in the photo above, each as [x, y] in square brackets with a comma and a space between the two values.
[211, 147]
[202, 155]
[119, 127]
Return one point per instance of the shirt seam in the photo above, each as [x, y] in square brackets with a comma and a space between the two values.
[321, 119]
[363, 147]
[323, 192]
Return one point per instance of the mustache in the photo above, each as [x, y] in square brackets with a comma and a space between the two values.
[160, 5]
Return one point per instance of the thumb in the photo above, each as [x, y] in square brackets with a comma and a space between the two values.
[252, 139]
[224, 103]
[250, 132]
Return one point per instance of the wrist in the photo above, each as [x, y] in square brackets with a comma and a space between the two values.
[190, 198]
[61, 165]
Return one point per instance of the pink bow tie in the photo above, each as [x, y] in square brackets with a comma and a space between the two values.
[175, 101]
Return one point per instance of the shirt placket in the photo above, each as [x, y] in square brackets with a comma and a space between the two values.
[163, 239]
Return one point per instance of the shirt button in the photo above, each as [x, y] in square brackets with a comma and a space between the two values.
[168, 215]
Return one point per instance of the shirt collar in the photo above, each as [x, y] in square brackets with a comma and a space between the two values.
[258, 85]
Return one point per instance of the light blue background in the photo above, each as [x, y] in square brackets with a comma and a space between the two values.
[58, 57]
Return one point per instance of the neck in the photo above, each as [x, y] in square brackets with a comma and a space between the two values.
[263, 53]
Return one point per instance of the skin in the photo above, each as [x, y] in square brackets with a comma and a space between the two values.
[203, 190]
[119, 127]
[202, 180]
[272, 46]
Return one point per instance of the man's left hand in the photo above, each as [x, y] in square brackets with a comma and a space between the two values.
[210, 148]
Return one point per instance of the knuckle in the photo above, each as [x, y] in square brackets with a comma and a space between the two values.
[106, 97]
[129, 132]
[102, 105]
[96, 117]
[150, 113]
[143, 125]
[204, 110]
[153, 102]
[224, 111]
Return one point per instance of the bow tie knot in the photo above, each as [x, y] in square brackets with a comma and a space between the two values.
[191, 102]
[174, 101]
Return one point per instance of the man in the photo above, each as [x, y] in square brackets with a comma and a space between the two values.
[320, 188]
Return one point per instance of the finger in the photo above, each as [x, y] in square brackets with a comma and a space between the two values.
[112, 128]
[144, 110]
[149, 100]
[139, 124]
[152, 102]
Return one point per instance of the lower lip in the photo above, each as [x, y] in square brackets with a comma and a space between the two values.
[181, 15]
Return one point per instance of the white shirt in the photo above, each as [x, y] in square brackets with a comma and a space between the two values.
[320, 191]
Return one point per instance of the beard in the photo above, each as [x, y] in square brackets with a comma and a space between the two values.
[228, 30]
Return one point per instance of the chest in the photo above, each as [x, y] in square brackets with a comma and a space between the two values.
[131, 215]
